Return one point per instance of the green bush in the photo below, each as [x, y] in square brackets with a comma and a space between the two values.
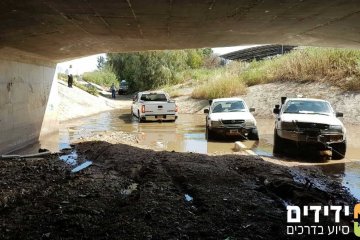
[87, 88]
[62, 76]
[103, 78]
[152, 69]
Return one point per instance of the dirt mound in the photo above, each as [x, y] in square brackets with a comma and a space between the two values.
[133, 193]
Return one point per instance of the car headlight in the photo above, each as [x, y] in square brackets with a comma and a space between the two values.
[337, 128]
[250, 123]
[288, 126]
[216, 124]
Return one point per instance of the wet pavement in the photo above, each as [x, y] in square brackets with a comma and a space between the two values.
[187, 134]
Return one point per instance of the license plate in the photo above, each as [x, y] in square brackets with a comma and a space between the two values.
[312, 139]
[161, 116]
[233, 132]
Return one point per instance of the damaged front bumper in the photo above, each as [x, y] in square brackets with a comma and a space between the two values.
[311, 137]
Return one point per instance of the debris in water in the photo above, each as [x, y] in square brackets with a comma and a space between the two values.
[81, 166]
[70, 158]
[188, 198]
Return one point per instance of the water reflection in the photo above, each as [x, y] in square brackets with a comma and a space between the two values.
[346, 172]
[351, 178]
[187, 134]
[70, 158]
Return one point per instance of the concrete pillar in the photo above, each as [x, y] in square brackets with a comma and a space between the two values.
[28, 102]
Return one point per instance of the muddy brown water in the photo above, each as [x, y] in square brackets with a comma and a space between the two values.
[187, 134]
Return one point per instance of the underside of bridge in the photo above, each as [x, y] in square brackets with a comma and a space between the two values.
[36, 34]
[59, 30]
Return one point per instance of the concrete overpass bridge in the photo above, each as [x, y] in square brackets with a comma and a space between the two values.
[36, 34]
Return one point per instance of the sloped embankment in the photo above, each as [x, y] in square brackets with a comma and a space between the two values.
[263, 97]
[76, 103]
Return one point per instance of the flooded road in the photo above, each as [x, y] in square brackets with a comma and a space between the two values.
[187, 134]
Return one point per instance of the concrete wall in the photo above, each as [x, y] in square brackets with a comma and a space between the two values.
[25, 108]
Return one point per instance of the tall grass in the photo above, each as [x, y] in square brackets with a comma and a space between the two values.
[171, 90]
[221, 82]
[103, 78]
[227, 87]
[338, 67]
[200, 75]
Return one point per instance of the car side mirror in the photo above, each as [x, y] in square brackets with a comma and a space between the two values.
[206, 111]
[277, 106]
[252, 109]
[339, 114]
[276, 110]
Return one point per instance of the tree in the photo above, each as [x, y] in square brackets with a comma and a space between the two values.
[100, 62]
[145, 70]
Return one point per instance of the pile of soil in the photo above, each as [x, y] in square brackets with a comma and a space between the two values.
[134, 193]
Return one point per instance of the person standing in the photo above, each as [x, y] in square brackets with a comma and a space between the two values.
[69, 73]
[113, 91]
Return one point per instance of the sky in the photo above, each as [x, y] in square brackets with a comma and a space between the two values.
[224, 50]
[81, 65]
[88, 64]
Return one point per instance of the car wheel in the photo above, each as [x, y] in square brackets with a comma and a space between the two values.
[209, 134]
[253, 135]
[338, 150]
[278, 143]
[139, 118]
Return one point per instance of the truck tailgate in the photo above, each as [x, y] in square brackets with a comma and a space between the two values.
[159, 108]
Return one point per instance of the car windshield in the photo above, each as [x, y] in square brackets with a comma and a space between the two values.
[228, 106]
[307, 107]
[158, 97]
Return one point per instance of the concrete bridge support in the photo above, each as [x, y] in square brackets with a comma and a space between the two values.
[28, 99]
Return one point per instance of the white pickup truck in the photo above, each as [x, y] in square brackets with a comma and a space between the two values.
[309, 122]
[154, 106]
[230, 117]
